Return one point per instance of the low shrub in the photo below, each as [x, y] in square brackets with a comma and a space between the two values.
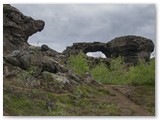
[113, 75]
[78, 63]
[141, 74]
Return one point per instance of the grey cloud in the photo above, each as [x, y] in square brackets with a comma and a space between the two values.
[66, 24]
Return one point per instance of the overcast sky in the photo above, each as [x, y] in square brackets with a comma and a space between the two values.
[69, 23]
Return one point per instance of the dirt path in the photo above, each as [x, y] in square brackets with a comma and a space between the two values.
[127, 106]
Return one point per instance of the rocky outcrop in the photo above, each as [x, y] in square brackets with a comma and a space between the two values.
[132, 48]
[33, 66]
[17, 28]
[30, 66]
[33, 57]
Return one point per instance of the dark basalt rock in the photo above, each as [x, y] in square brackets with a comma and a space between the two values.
[44, 48]
[31, 57]
[86, 47]
[17, 28]
[132, 48]
[24, 58]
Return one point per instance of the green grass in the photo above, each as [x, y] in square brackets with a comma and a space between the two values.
[23, 105]
[82, 101]
[118, 74]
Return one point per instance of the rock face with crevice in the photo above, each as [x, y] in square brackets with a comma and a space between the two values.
[132, 48]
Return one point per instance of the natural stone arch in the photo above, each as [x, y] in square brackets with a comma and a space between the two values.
[87, 47]
[132, 48]
[97, 46]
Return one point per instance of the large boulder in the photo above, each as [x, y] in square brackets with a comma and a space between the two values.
[17, 28]
[51, 65]
[55, 80]
[24, 58]
[34, 57]
[132, 48]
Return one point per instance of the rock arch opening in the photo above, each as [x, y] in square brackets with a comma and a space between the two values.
[97, 54]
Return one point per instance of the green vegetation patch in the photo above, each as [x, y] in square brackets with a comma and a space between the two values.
[84, 100]
[117, 73]
[78, 63]
[142, 74]
[23, 105]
